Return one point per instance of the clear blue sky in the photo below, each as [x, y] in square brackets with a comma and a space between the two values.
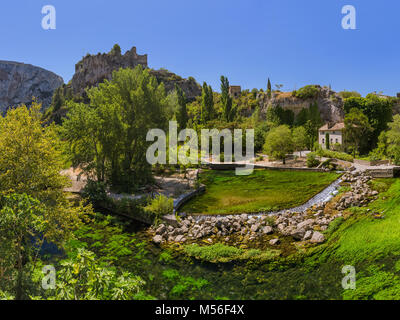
[291, 41]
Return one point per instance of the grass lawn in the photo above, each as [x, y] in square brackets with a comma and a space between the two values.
[263, 190]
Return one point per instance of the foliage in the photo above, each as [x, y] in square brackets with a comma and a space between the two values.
[183, 286]
[307, 92]
[81, 278]
[116, 50]
[181, 112]
[207, 103]
[349, 94]
[260, 133]
[22, 223]
[279, 143]
[31, 163]
[95, 192]
[392, 138]
[160, 206]
[228, 110]
[299, 139]
[107, 139]
[357, 128]
[335, 155]
[312, 160]
[378, 112]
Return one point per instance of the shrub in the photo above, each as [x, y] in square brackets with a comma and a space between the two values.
[307, 92]
[312, 160]
[336, 155]
[95, 192]
[160, 206]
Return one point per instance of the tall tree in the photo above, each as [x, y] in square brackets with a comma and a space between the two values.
[269, 89]
[207, 103]
[181, 111]
[228, 110]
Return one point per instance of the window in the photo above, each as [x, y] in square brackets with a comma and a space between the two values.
[337, 140]
[323, 141]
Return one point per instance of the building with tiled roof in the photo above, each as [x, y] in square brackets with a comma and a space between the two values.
[333, 132]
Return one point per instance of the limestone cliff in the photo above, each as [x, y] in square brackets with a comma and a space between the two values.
[330, 104]
[94, 69]
[20, 82]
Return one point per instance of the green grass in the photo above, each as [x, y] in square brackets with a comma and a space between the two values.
[221, 253]
[263, 190]
[364, 238]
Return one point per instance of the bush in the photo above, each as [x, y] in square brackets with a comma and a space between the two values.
[307, 92]
[336, 155]
[312, 160]
[160, 206]
[95, 192]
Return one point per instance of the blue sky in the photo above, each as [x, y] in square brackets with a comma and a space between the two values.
[291, 41]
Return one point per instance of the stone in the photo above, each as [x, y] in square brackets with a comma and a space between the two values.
[308, 235]
[254, 227]
[179, 238]
[274, 242]
[157, 239]
[267, 230]
[305, 224]
[317, 237]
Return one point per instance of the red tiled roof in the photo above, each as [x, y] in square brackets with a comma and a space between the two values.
[336, 127]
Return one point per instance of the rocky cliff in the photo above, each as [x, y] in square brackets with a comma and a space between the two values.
[20, 82]
[330, 104]
[94, 69]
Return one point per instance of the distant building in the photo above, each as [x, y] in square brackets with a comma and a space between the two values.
[235, 91]
[335, 133]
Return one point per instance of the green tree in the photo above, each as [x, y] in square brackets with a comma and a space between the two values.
[299, 139]
[228, 109]
[356, 130]
[31, 161]
[327, 142]
[107, 138]
[181, 113]
[269, 89]
[392, 138]
[116, 50]
[378, 111]
[207, 103]
[279, 143]
[22, 221]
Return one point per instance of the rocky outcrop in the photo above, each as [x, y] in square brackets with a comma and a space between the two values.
[330, 104]
[20, 82]
[189, 86]
[94, 69]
